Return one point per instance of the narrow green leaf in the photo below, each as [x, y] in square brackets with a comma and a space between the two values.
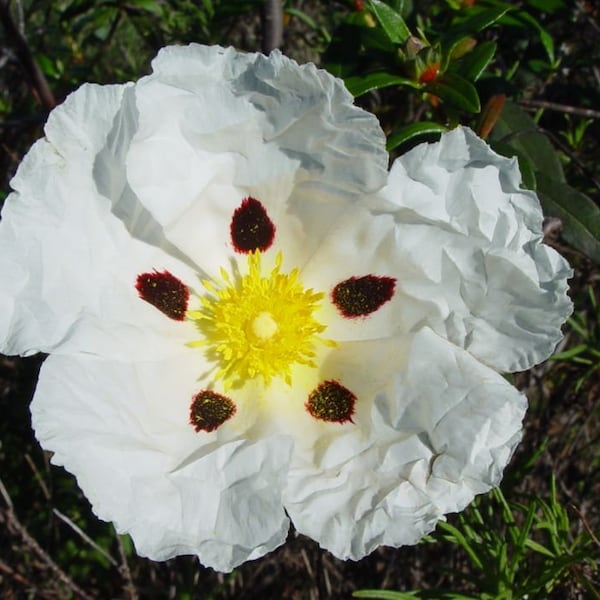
[473, 64]
[302, 16]
[47, 65]
[149, 5]
[520, 544]
[579, 214]
[375, 81]
[456, 92]
[532, 545]
[482, 20]
[472, 25]
[545, 37]
[376, 39]
[548, 6]
[525, 166]
[392, 22]
[570, 353]
[517, 129]
[460, 539]
[412, 131]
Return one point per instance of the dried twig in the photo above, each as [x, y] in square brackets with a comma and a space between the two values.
[5, 495]
[38, 477]
[16, 525]
[126, 572]
[85, 537]
[586, 525]
[20, 579]
[564, 108]
[23, 581]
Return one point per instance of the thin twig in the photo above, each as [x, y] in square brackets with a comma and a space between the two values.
[38, 477]
[6, 496]
[564, 108]
[586, 525]
[126, 572]
[22, 580]
[16, 525]
[16, 576]
[307, 563]
[38, 81]
[85, 537]
[272, 25]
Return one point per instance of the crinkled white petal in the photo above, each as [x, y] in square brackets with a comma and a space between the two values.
[434, 427]
[68, 264]
[470, 243]
[215, 126]
[147, 176]
[123, 430]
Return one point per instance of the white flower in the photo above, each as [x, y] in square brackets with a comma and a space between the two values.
[247, 325]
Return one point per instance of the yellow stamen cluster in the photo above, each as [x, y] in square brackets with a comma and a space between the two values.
[258, 326]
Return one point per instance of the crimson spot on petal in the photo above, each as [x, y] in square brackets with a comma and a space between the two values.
[361, 296]
[210, 410]
[164, 291]
[331, 401]
[251, 229]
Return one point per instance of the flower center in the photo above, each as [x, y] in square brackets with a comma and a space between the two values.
[258, 325]
[264, 326]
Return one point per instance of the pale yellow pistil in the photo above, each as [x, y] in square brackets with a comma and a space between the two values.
[258, 325]
[263, 326]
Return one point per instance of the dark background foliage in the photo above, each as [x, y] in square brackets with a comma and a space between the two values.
[525, 75]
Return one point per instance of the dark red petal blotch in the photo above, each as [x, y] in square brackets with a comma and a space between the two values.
[331, 401]
[210, 410]
[361, 296]
[251, 229]
[164, 291]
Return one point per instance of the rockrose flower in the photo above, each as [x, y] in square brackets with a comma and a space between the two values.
[250, 322]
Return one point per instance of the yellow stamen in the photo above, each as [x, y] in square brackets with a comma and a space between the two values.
[258, 326]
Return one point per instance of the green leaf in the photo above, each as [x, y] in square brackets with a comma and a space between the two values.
[483, 19]
[392, 22]
[302, 16]
[533, 545]
[48, 66]
[548, 6]
[580, 349]
[579, 214]
[545, 37]
[458, 538]
[412, 131]
[473, 64]
[375, 81]
[456, 92]
[148, 5]
[376, 39]
[525, 166]
[470, 26]
[518, 130]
